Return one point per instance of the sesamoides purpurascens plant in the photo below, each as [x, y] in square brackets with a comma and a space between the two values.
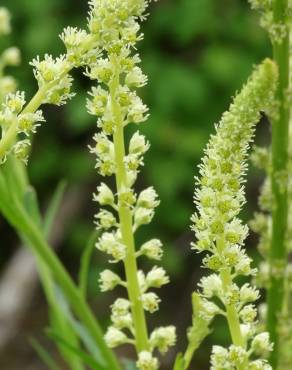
[220, 233]
[107, 51]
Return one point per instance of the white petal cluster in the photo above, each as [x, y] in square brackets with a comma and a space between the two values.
[146, 361]
[219, 198]
[52, 74]
[54, 83]
[162, 338]
[234, 358]
[27, 123]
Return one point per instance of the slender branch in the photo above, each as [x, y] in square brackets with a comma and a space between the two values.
[280, 135]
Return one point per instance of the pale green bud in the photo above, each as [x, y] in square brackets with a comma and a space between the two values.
[5, 17]
[138, 144]
[143, 216]
[108, 280]
[156, 277]
[104, 195]
[146, 361]
[11, 57]
[261, 344]
[150, 302]
[121, 307]
[148, 198]
[115, 337]
[162, 338]
[152, 249]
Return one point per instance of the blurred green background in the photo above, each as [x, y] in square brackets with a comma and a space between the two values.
[197, 54]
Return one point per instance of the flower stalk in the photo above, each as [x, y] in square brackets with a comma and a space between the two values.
[126, 224]
[279, 179]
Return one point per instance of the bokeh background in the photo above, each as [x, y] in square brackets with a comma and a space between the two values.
[197, 54]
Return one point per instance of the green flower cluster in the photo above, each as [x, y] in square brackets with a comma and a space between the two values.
[219, 199]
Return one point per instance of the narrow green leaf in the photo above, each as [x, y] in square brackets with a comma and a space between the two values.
[53, 207]
[80, 330]
[85, 262]
[44, 355]
[31, 205]
[58, 321]
[89, 360]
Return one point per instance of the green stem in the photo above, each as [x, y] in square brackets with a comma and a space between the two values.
[280, 141]
[231, 311]
[42, 250]
[126, 225]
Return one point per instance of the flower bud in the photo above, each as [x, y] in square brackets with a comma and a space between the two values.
[150, 302]
[104, 195]
[146, 361]
[11, 57]
[115, 337]
[108, 280]
[152, 249]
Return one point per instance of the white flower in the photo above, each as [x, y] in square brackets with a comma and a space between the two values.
[15, 102]
[146, 361]
[98, 103]
[248, 293]
[53, 73]
[152, 249]
[237, 355]
[74, 37]
[7, 85]
[121, 307]
[156, 277]
[163, 338]
[148, 198]
[248, 313]
[220, 358]
[108, 280]
[49, 69]
[28, 122]
[143, 216]
[137, 111]
[211, 286]
[11, 57]
[110, 244]
[138, 144]
[122, 321]
[136, 78]
[105, 219]
[261, 344]
[208, 310]
[102, 71]
[104, 195]
[4, 21]
[260, 365]
[142, 281]
[21, 150]
[115, 337]
[150, 302]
